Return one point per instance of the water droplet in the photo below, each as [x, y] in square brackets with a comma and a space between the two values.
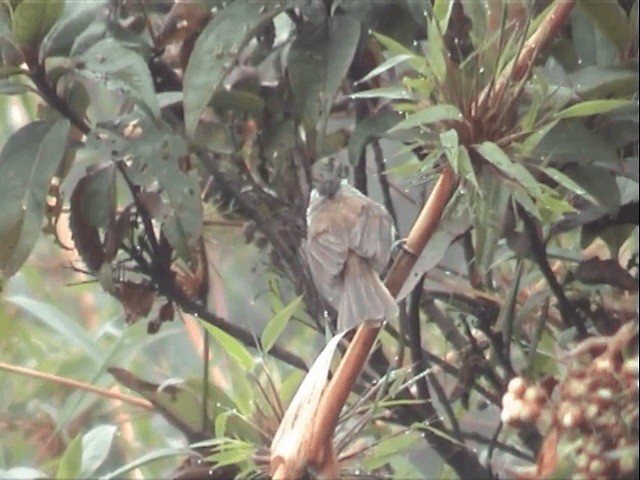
[481, 71]
[415, 43]
[579, 61]
[425, 13]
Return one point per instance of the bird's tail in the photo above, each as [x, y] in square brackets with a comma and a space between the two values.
[365, 298]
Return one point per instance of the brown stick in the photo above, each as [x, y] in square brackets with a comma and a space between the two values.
[518, 67]
[68, 382]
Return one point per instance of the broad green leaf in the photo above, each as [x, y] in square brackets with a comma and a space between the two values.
[435, 113]
[216, 51]
[370, 127]
[99, 196]
[598, 182]
[121, 69]
[592, 46]
[232, 346]
[277, 324]
[562, 179]
[96, 444]
[318, 60]
[75, 18]
[32, 19]
[593, 107]
[593, 82]
[569, 141]
[28, 161]
[384, 66]
[496, 156]
[611, 20]
[72, 332]
[71, 461]
[239, 101]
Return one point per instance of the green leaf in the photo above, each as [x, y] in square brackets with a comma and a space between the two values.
[569, 142]
[391, 93]
[592, 82]
[490, 209]
[562, 179]
[232, 451]
[70, 330]
[75, 18]
[593, 107]
[32, 19]
[611, 20]
[12, 87]
[71, 461]
[465, 167]
[318, 60]
[396, 48]
[370, 127]
[450, 144]
[96, 444]
[496, 156]
[239, 101]
[232, 346]
[435, 113]
[386, 65]
[592, 46]
[217, 50]
[28, 161]
[121, 69]
[599, 182]
[99, 196]
[388, 448]
[277, 324]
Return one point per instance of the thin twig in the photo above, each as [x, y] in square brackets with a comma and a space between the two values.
[68, 382]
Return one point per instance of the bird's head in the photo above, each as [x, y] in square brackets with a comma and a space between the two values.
[328, 176]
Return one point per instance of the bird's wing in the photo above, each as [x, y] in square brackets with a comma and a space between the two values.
[327, 247]
[371, 235]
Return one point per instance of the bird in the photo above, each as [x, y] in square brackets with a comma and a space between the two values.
[348, 244]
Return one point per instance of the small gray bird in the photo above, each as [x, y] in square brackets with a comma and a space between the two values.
[349, 238]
